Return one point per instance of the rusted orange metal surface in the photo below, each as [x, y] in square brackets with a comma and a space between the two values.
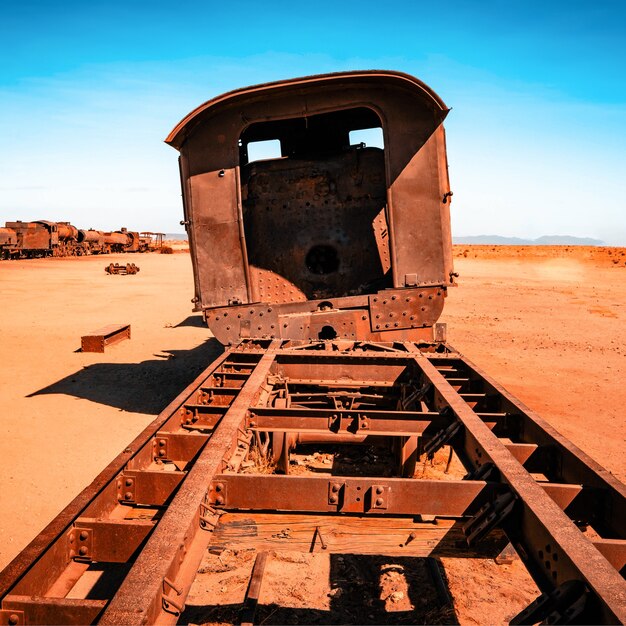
[43, 238]
[325, 267]
[331, 238]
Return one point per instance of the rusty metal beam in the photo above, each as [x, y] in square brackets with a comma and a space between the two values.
[362, 421]
[375, 495]
[172, 554]
[541, 528]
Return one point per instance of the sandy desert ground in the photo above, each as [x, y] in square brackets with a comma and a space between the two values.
[548, 323]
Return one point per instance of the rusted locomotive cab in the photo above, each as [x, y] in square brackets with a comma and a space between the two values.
[328, 237]
[34, 239]
[8, 243]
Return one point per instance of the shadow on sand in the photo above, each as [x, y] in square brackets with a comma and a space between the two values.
[355, 581]
[145, 387]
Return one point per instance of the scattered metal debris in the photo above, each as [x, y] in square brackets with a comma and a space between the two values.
[118, 268]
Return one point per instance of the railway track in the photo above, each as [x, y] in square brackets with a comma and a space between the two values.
[127, 549]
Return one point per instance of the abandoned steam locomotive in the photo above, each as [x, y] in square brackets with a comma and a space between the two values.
[42, 238]
[325, 268]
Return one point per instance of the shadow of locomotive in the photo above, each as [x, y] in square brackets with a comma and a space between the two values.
[145, 387]
[355, 598]
[192, 320]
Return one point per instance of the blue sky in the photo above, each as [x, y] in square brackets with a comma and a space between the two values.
[536, 137]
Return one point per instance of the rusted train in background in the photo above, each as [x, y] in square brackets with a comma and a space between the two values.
[42, 238]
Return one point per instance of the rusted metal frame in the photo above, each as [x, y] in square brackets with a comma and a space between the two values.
[148, 487]
[354, 421]
[47, 552]
[296, 356]
[155, 589]
[538, 522]
[336, 385]
[375, 495]
[174, 446]
[603, 501]
[109, 540]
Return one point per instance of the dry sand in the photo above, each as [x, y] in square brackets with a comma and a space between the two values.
[547, 323]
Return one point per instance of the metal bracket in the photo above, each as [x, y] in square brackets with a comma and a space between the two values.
[489, 516]
[351, 423]
[167, 602]
[209, 517]
[160, 447]
[441, 331]
[379, 497]
[563, 605]
[217, 494]
[441, 438]
[11, 617]
[125, 488]
[336, 493]
[81, 543]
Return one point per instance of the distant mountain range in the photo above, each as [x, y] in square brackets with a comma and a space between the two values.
[176, 236]
[546, 240]
[491, 240]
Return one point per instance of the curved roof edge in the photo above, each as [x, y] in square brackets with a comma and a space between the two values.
[176, 136]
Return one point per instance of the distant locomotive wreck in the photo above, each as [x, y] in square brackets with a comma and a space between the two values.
[41, 238]
[324, 269]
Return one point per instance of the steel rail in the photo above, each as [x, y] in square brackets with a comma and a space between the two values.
[540, 521]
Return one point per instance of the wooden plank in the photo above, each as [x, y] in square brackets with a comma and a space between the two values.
[392, 536]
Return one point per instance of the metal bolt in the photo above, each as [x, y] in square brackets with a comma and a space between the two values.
[333, 499]
[119, 484]
[83, 535]
[379, 501]
[334, 488]
[161, 452]
[379, 490]
[72, 554]
[13, 619]
[219, 500]
[162, 442]
[129, 482]
[219, 487]
[83, 550]
[128, 496]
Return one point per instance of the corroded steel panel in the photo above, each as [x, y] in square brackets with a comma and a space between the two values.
[326, 221]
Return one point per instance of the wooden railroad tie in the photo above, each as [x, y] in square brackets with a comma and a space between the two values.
[97, 340]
